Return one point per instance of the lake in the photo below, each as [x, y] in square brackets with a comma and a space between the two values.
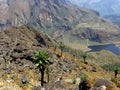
[111, 47]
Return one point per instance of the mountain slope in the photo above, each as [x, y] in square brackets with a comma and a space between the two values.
[18, 47]
[109, 9]
[58, 18]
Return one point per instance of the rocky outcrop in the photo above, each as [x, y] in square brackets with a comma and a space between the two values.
[102, 84]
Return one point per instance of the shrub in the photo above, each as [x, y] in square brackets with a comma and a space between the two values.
[83, 77]
[116, 71]
[74, 81]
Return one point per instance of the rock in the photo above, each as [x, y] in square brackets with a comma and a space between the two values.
[102, 88]
[102, 84]
[42, 89]
[24, 80]
[94, 69]
[9, 87]
[20, 49]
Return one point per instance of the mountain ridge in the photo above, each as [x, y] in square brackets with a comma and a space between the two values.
[59, 19]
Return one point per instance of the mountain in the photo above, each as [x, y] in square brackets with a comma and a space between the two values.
[108, 9]
[104, 7]
[115, 18]
[58, 18]
[18, 72]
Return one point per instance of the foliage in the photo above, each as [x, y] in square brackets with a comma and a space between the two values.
[116, 68]
[84, 55]
[74, 52]
[62, 46]
[83, 77]
[111, 79]
[116, 71]
[42, 59]
[48, 71]
[21, 85]
[74, 81]
[111, 67]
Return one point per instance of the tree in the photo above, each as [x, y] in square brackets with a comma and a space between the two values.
[116, 71]
[48, 73]
[42, 60]
[84, 55]
[62, 46]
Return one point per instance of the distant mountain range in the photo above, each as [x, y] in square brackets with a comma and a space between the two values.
[59, 19]
[109, 9]
[114, 18]
[104, 7]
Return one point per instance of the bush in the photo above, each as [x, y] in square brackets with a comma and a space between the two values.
[83, 77]
[74, 81]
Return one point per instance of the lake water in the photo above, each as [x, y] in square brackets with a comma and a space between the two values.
[111, 47]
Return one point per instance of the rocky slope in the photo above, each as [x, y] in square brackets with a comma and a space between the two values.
[58, 18]
[18, 46]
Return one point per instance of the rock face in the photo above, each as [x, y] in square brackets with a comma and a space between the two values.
[58, 18]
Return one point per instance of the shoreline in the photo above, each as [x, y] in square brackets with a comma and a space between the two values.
[79, 46]
[116, 43]
[85, 48]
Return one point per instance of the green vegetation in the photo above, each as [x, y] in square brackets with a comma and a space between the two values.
[74, 81]
[84, 56]
[48, 71]
[76, 53]
[110, 67]
[116, 71]
[22, 85]
[111, 79]
[62, 46]
[42, 60]
[83, 77]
